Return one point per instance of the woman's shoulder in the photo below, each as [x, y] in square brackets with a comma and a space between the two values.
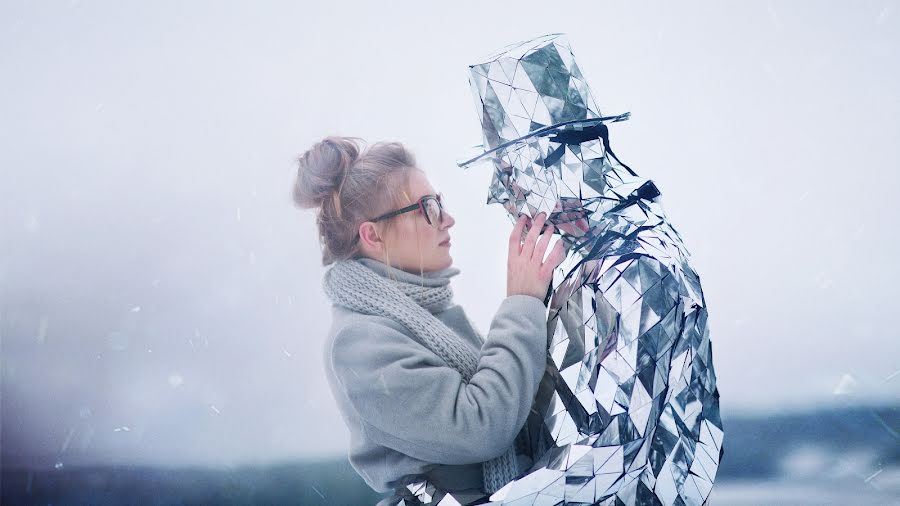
[373, 341]
[356, 332]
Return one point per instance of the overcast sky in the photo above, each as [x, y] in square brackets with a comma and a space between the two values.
[160, 297]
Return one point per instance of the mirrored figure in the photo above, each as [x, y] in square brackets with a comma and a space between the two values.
[627, 412]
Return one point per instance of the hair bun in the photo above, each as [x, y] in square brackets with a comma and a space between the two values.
[322, 168]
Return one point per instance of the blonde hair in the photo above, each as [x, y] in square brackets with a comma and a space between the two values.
[350, 186]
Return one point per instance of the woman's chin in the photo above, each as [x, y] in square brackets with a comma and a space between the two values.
[447, 261]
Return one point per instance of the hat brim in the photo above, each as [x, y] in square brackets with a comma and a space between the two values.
[547, 130]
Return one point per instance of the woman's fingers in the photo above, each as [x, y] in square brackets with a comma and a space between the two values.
[541, 247]
[515, 238]
[527, 273]
[556, 257]
[558, 254]
[532, 236]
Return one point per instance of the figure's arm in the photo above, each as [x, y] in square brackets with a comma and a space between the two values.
[410, 400]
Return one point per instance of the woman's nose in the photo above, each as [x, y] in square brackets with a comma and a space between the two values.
[447, 220]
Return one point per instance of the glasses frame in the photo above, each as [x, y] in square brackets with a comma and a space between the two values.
[420, 204]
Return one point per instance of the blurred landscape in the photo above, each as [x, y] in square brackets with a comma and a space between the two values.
[832, 456]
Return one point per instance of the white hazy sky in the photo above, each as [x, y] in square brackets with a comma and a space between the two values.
[160, 298]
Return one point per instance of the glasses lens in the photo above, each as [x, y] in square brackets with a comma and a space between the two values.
[432, 211]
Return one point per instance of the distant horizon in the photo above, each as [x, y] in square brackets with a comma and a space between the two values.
[86, 461]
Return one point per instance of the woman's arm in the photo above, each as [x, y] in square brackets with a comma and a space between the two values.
[410, 400]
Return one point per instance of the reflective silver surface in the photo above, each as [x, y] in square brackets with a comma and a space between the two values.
[628, 410]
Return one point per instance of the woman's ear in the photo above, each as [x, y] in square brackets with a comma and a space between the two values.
[370, 238]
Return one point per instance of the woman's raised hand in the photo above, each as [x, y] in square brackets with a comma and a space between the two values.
[527, 272]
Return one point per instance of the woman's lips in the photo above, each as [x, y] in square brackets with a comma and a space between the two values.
[446, 243]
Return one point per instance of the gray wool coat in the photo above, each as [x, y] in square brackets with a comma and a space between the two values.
[411, 414]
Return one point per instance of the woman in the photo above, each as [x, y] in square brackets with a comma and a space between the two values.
[423, 394]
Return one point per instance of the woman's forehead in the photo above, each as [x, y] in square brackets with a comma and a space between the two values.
[419, 186]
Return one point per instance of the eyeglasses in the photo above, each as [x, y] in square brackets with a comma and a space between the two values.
[431, 205]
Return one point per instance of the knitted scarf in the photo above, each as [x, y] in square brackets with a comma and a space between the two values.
[361, 284]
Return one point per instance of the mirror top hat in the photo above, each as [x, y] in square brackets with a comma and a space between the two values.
[530, 89]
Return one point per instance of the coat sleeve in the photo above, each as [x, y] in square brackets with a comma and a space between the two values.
[410, 400]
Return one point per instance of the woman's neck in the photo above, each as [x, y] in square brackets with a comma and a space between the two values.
[433, 278]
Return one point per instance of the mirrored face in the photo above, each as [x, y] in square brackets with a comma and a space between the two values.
[570, 184]
[522, 186]
[413, 244]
